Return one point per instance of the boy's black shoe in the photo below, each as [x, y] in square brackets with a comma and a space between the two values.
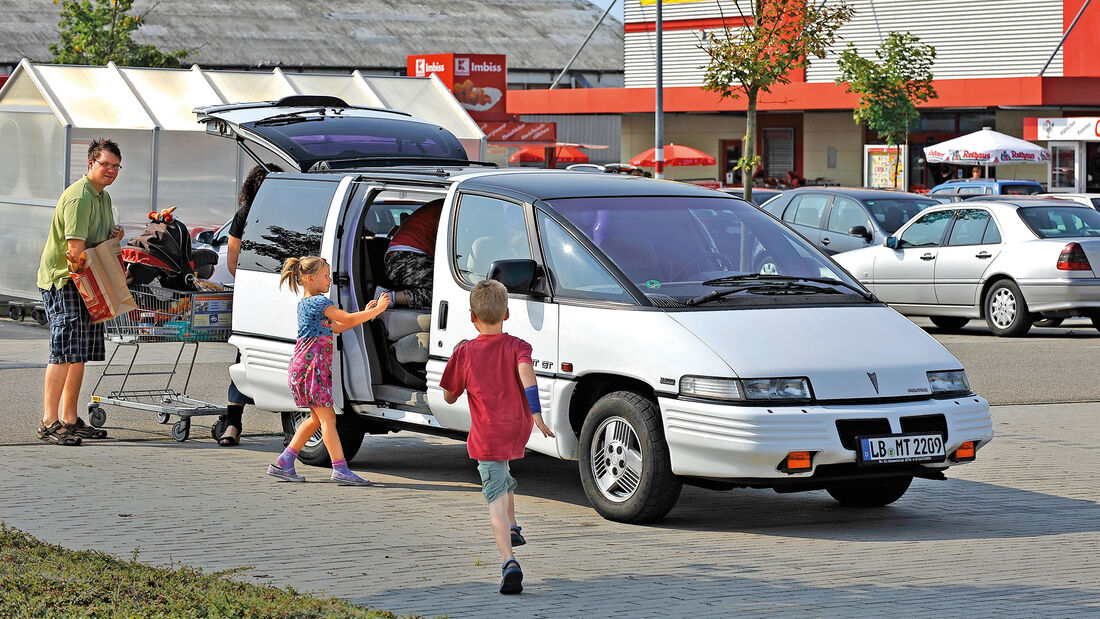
[517, 537]
[512, 577]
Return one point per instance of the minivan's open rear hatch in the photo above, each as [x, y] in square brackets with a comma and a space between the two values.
[315, 133]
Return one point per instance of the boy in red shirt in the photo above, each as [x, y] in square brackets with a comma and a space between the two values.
[495, 372]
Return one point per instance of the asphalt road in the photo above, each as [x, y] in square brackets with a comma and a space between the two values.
[1048, 366]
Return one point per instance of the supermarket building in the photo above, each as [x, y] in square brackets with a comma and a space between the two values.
[1000, 64]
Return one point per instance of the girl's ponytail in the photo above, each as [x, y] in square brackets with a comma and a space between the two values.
[290, 274]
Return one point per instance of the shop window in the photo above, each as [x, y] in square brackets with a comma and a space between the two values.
[731, 153]
[1063, 161]
[1092, 169]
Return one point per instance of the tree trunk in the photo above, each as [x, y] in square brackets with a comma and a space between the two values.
[748, 145]
[897, 162]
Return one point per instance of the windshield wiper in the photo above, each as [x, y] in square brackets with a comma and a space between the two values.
[290, 117]
[770, 283]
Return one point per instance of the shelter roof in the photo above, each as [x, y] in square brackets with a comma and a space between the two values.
[345, 34]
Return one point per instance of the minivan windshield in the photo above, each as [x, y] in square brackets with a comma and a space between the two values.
[677, 249]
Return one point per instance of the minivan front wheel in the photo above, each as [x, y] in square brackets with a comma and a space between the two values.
[349, 428]
[624, 463]
[1006, 311]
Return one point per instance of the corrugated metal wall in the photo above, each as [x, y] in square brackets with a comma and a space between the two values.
[977, 38]
[588, 129]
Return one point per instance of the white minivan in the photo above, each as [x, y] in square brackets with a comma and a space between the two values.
[663, 357]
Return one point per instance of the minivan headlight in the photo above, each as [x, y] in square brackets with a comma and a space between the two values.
[777, 388]
[945, 382]
[712, 388]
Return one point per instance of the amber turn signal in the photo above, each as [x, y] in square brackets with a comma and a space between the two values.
[964, 452]
[796, 461]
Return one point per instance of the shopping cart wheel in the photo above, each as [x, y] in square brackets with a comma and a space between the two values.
[181, 430]
[218, 429]
[97, 416]
[163, 417]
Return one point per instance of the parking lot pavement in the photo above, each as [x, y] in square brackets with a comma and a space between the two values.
[1015, 533]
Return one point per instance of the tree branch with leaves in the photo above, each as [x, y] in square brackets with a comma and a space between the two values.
[95, 32]
[775, 38]
[890, 88]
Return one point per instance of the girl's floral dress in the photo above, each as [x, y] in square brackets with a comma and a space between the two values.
[310, 372]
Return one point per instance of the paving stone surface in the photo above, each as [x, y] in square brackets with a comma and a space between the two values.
[1015, 533]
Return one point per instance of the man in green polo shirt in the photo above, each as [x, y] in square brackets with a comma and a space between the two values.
[82, 218]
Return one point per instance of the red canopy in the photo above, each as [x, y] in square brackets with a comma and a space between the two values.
[675, 154]
[563, 154]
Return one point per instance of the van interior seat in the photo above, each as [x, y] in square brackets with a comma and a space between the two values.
[484, 251]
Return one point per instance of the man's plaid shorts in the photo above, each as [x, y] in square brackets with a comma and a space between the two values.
[73, 337]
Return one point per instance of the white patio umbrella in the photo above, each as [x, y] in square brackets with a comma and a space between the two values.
[985, 148]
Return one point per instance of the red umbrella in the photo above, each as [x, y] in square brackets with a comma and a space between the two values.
[562, 154]
[675, 154]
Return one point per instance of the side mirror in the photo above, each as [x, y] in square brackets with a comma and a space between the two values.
[206, 236]
[860, 231]
[518, 276]
[891, 242]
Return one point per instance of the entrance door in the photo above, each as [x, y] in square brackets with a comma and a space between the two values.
[1063, 173]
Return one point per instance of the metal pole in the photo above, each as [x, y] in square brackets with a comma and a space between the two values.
[583, 43]
[1064, 36]
[659, 108]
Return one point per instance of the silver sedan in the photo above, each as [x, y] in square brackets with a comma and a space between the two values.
[1013, 262]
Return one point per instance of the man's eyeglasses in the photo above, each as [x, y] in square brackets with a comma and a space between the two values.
[111, 166]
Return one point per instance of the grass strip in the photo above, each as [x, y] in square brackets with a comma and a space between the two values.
[39, 579]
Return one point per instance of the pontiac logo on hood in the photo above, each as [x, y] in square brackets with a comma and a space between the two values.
[874, 380]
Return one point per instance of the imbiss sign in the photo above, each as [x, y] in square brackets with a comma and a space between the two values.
[1081, 128]
[478, 81]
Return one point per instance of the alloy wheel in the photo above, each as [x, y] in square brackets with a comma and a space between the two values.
[616, 459]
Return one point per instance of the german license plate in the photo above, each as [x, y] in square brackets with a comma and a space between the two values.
[900, 449]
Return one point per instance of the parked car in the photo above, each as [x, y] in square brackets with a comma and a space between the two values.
[989, 186]
[760, 195]
[839, 219]
[1088, 199]
[1009, 261]
[662, 356]
[217, 240]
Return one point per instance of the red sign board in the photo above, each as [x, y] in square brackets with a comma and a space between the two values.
[516, 131]
[478, 81]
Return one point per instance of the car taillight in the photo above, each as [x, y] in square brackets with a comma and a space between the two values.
[1073, 258]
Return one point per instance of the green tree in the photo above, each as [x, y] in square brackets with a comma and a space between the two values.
[890, 88]
[95, 32]
[777, 37]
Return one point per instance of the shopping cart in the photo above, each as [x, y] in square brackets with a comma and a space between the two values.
[163, 315]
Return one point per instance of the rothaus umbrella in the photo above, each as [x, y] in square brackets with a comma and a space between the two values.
[562, 154]
[674, 155]
[985, 148]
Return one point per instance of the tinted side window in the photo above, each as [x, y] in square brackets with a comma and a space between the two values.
[487, 229]
[926, 231]
[992, 234]
[944, 191]
[574, 272]
[287, 220]
[969, 228]
[845, 214]
[971, 190]
[807, 211]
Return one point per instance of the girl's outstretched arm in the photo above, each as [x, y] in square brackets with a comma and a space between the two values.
[342, 321]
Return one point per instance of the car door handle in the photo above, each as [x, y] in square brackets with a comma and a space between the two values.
[983, 255]
[928, 257]
[442, 315]
[825, 241]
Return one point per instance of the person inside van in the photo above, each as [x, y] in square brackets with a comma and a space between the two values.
[410, 258]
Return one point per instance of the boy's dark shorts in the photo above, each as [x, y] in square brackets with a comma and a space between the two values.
[73, 337]
[496, 479]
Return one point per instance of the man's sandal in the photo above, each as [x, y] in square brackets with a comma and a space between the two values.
[58, 434]
[84, 430]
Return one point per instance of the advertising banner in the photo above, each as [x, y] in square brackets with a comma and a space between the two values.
[516, 131]
[878, 166]
[1082, 128]
[478, 81]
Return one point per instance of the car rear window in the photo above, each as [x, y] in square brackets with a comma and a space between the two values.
[1049, 222]
[1020, 189]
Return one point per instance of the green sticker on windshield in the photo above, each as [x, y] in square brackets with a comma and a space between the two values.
[653, 284]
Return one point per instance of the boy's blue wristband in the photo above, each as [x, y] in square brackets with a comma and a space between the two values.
[533, 403]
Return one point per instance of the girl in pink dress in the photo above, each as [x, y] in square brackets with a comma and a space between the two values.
[310, 371]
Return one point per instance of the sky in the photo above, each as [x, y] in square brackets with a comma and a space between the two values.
[616, 12]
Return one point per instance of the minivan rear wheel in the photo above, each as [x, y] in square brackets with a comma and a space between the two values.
[870, 492]
[349, 428]
[624, 463]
